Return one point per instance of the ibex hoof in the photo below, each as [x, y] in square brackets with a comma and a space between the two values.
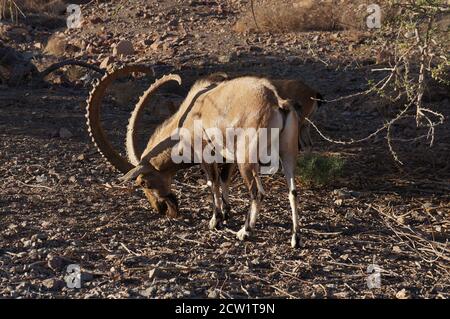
[226, 216]
[295, 241]
[213, 223]
[243, 234]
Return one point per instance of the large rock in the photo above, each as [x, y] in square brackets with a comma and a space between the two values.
[14, 66]
[56, 46]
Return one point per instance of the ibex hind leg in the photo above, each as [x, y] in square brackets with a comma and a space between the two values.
[288, 154]
[250, 174]
[212, 175]
[226, 175]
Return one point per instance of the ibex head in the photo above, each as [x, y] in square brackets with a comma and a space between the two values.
[156, 186]
[154, 181]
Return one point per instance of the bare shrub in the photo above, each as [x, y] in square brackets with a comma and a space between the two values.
[307, 15]
[419, 64]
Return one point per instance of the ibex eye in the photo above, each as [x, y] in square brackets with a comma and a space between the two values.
[142, 183]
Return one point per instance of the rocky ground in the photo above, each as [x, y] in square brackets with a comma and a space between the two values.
[60, 203]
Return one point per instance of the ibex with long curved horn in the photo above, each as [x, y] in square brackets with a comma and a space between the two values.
[245, 103]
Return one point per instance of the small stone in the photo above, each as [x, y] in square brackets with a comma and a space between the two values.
[147, 292]
[396, 249]
[227, 58]
[402, 294]
[53, 284]
[342, 193]
[157, 45]
[38, 237]
[41, 178]
[147, 42]
[96, 20]
[27, 243]
[22, 286]
[341, 295]
[349, 214]
[401, 219]
[57, 263]
[45, 224]
[338, 202]
[106, 62]
[201, 181]
[344, 257]
[226, 245]
[123, 48]
[186, 293]
[157, 273]
[12, 226]
[213, 294]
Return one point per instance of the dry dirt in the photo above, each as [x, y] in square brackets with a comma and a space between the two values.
[60, 203]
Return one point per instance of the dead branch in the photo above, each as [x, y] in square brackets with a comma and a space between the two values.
[58, 65]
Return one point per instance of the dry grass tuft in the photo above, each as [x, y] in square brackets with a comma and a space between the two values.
[307, 15]
[15, 9]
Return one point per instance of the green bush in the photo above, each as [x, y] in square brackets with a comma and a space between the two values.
[318, 169]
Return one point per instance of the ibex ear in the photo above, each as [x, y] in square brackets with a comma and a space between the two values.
[304, 139]
[218, 77]
[135, 172]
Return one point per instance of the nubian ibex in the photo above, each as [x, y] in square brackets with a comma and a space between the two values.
[243, 103]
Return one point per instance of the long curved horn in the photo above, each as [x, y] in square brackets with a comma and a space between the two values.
[135, 172]
[93, 115]
[131, 139]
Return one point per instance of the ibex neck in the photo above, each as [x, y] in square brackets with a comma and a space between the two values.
[159, 148]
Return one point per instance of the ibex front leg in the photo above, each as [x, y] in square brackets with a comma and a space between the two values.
[212, 174]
